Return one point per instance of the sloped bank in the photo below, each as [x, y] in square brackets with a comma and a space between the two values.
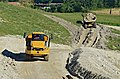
[8, 68]
[91, 63]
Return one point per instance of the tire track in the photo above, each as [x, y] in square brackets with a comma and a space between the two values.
[114, 27]
[53, 69]
[70, 27]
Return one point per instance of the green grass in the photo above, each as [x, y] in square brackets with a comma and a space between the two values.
[113, 43]
[71, 17]
[115, 31]
[101, 18]
[109, 19]
[17, 20]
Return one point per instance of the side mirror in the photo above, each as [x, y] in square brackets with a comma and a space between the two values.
[51, 36]
[24, 36]
[79, 22]
[82, 15]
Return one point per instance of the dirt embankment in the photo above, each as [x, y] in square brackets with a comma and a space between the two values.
[8, 68]
[92, 63]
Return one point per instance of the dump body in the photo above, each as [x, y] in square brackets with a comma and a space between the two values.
[37, 45]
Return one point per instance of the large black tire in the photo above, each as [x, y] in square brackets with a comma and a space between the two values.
[46, 57]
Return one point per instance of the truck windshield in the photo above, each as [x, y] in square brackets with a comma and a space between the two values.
[38, 37]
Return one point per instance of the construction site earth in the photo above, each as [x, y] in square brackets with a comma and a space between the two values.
[86, 58]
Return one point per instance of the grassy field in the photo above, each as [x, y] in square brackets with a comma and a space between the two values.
[71, 17]
[15, 20]
[113, 43]
[101, 18]
[114, 11]
[115, 31]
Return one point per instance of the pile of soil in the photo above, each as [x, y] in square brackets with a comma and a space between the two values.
[8, 68]
[92, 63]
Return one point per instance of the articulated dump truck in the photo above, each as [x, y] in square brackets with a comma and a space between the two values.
[37, 45]
[89, 20]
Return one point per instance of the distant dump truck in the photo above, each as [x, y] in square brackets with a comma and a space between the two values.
[37, 45]
[89, 20]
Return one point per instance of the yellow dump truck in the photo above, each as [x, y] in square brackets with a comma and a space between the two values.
[89, 20]
[37, 45]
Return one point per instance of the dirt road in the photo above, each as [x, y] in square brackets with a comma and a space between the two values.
[36, 69]
[114, 27]
[70, 27]
[53, 69]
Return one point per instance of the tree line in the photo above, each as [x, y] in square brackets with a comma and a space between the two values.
[84, 5]
[47, 1]
[73, 5]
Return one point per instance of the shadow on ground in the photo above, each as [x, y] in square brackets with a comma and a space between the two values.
[18, 56]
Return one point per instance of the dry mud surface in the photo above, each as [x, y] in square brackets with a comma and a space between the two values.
[14, 66]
